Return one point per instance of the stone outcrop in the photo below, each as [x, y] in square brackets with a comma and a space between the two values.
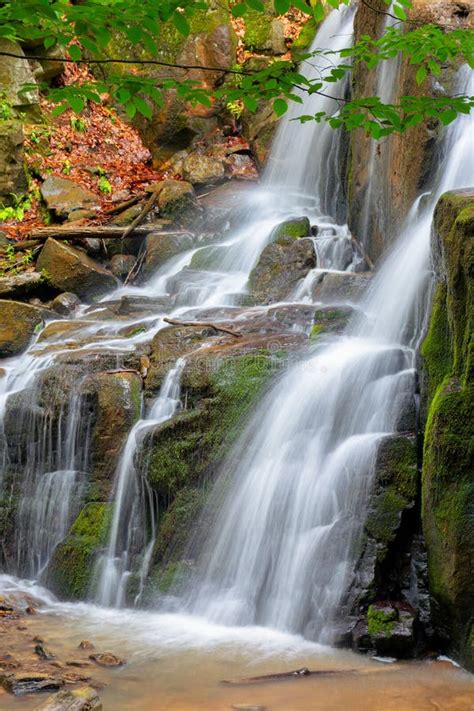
[64, 196]
[18, 322]
[12, 170]
[447, 403]
[70, 269]
[401, 163]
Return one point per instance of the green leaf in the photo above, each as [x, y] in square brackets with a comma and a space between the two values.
[399, 12]
[239, 10]
[281, 6]
[250, 103]
[256, 5]
[75, 52]
[421, 75]
[181, 23]
[280, 107]
[318, 11]
[143, 107]
[447, 116]
[76, 103]
[49, 42]
[130, 110]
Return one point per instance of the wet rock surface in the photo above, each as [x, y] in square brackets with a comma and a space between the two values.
[71, 270]
[85, 698]
[18, 323]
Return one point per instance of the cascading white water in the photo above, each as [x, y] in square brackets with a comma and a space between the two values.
[283, 547]
[373, 205]
[129, 522]
[305, 157]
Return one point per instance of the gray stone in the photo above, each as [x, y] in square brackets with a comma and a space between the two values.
[66, 303]
[14, 74]
[63, 196]
[18, 323]
[70, 269]
[340, 287]
[161, 247]
[281, 266]
[19, 284]
[201, 169]
[121, 264]
[12, 168]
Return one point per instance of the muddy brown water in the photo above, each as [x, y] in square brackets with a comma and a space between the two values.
[177, 663]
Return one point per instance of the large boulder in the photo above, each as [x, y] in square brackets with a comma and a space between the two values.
[340, 287]
[281, 266]
[174, 196]
[200, 169]
[70, 269]
[64, 196]
[447, 407]
[12, 169]
[18, 323]
[15, 73]
[18, 285]
[161, 247]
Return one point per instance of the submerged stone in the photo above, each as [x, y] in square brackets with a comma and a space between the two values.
[19, 683]
[83, 698]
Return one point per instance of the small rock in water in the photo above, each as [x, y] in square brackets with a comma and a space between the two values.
[38, 639]
[84, 698]
[66, 303]
[44, 653]
[107, 659]
[85, 644]
[30, 610]
[26, 683]
[8, 661]
[248, 707]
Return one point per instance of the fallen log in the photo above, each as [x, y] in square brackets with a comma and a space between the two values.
[296, 674]
[203, 324]
[101, 231]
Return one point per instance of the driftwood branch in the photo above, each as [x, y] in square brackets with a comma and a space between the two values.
[146, 209]
[101, 231]
[203, 324]
[296, 674]
[61, 232]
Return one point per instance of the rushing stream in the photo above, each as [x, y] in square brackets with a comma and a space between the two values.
[292, 496]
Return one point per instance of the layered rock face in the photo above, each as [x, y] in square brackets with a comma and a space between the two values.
[447, 397]
[400, 163]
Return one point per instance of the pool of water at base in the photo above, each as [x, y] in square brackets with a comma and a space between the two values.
[178, 663]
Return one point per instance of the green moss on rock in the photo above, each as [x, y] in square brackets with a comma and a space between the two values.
[70, 571]
[448, 396]
[380, 621]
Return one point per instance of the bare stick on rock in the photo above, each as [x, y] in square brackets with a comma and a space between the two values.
[203, 324]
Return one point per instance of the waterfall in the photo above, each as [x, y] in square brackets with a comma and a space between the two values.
[217, 275]
[129, 522]
[305, 158]
[293, 496]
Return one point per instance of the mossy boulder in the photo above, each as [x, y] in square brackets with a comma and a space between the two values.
[295, 228]
[13, 180]
[116, 402]
[282, 264]
[212, 43]
[70, 572]
[391, 628]
[18, 323]
[201, 169]
[447, 397]
[70, 269]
